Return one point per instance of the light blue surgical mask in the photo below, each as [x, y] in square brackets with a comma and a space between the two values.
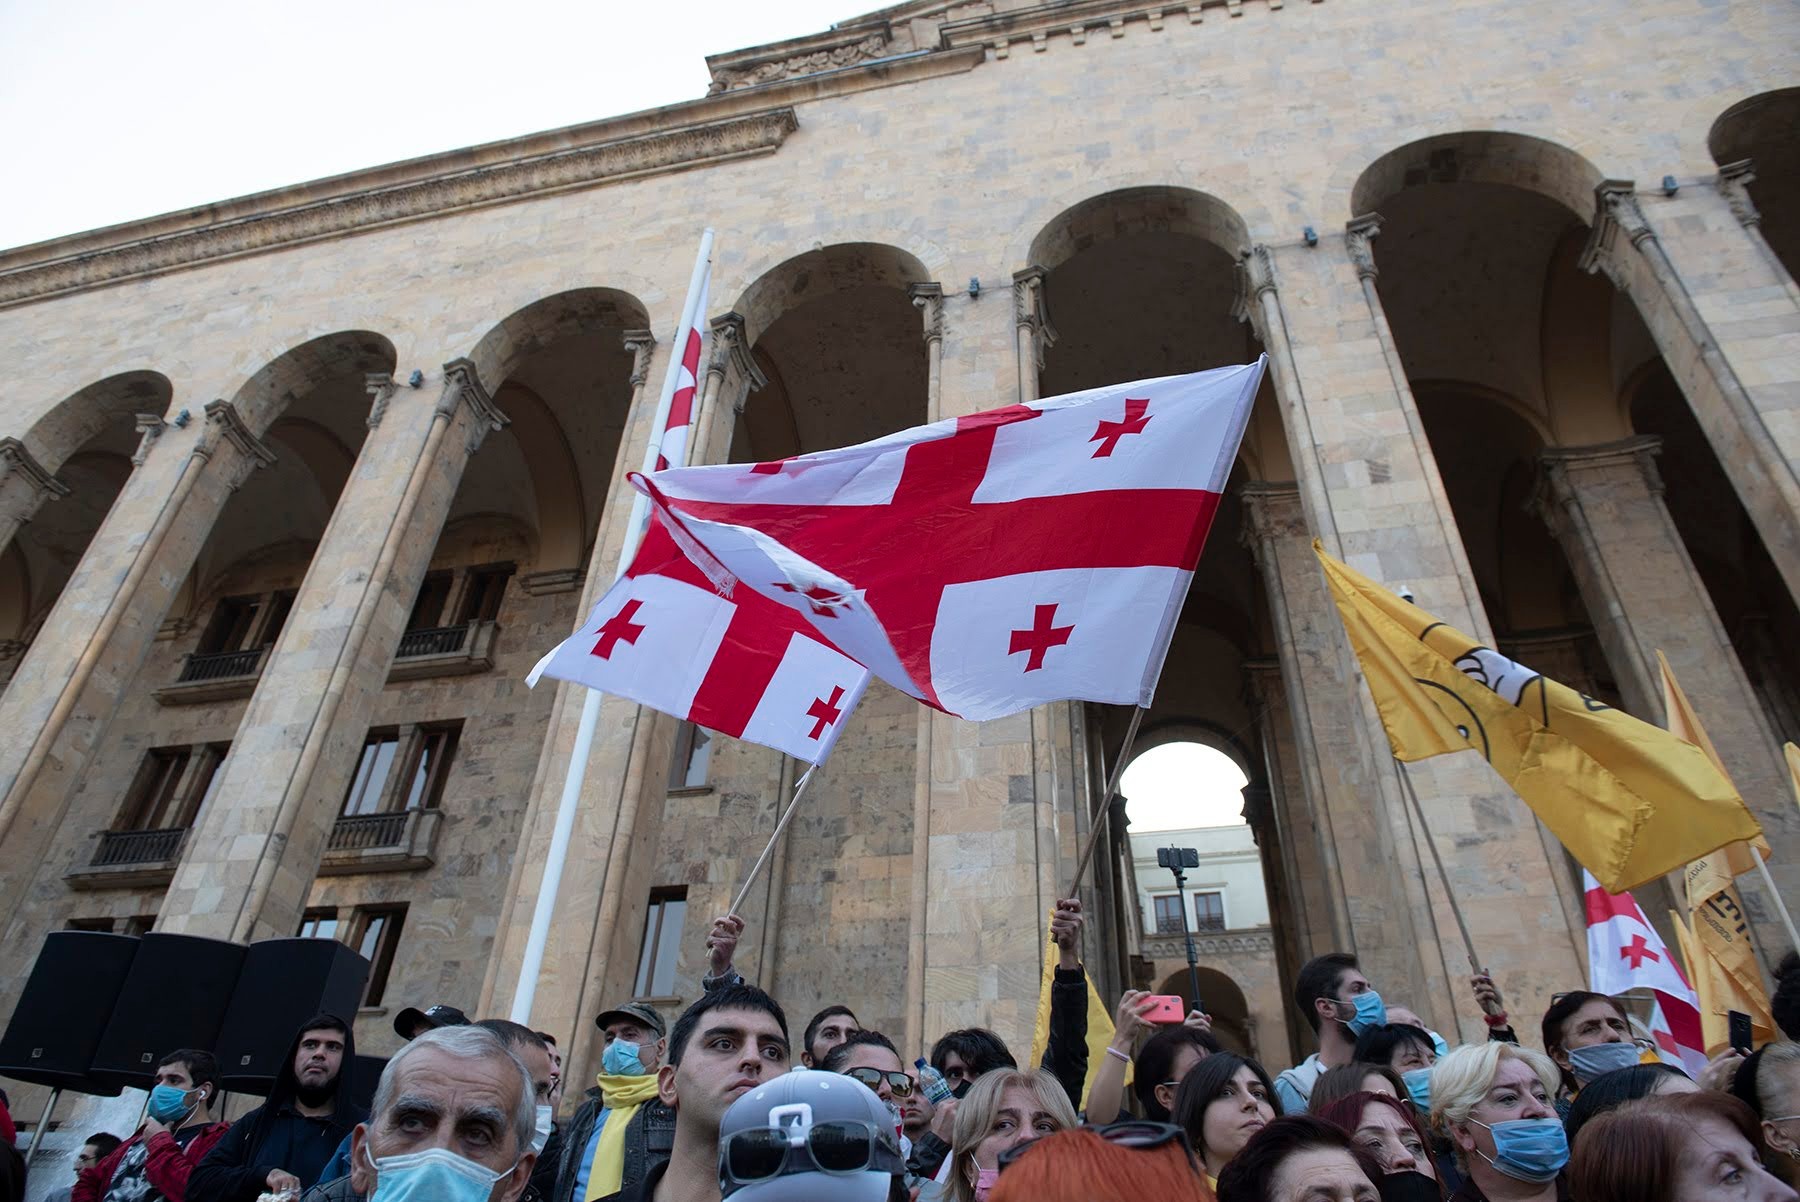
[620, 1059]
[434, 1175]
[542, 1126]
[1438, 1044]
[1418, 1087]
[1533, 1150]
[1371, 1012]
[1598, 1059]
[169, 1106]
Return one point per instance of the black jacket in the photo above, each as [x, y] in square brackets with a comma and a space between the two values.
[649, 1138]
[275, 1136]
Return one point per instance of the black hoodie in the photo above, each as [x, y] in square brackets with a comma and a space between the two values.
[277, 1136]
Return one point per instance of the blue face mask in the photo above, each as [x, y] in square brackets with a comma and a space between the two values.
[1418, 1087]
[1438, 1044]
[1533, 1150]
[1598, 1059]
[169, 1105]
[620, 1059]
[1371, 1012]
[434, 1175]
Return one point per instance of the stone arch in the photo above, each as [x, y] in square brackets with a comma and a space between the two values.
[1229, 194]
[290, 375]
[1754, 122]
[1520, 160]
[547, 320]
[1148, 209]
[836, 268]
[562, 537]
[1760, 130]
[1191, 730]
[1222, 999]
[84, 415]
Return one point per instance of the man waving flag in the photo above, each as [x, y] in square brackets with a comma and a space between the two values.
[990, 563]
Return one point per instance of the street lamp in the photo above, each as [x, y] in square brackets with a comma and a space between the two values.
[1175, 859]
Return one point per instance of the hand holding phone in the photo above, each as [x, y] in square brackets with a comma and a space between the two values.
[1738, 1031]
[1164, 1008]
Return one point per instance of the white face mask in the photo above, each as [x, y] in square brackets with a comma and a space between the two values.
[434, 1175]
[540, 1135]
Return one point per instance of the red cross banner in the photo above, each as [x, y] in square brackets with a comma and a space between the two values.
[744, 666]
[989, 563]
[672, 448]
[1626, 955]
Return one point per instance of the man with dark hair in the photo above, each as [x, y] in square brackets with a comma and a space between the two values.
[177, 1134]
[534, 1054]
[725, 1045]
[1340, 1004]
[94, 1149]
[828, 1028]
[965, 1054]
[285, 1143]
[872, 1058]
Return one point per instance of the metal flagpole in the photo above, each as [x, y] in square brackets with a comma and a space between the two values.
[526, 990]
[756, 868]
[1105, 816]
[1412, 795]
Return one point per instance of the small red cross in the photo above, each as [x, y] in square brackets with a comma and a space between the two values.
[1637, 951]
[618, 629]
[1040, 638]
[825, 713]
[767, 469]
[816, 595]
[1108, 434]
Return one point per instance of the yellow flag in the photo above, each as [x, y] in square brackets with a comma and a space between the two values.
[1099, 1024]
[1628, 800]
[1734, 858]
[1717, 951]
[1793, 758]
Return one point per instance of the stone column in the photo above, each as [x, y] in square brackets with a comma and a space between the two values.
[68, 685]
[1605, 505]
[1726, 320]
[24, 485]
[1033, 333]
[1310, 899]
[731, 375]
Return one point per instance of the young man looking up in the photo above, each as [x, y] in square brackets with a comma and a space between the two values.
[1340, 1004]
[725, 1045]
[828, 1028]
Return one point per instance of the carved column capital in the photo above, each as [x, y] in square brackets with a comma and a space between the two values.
[1618, 220]
[1359, 240]
[1032, 313]
[225, 425]
[17, 461]
[928, 299]
[639, 343]
[462, 386]
[731, 356]
[149, 428]
[1271, 511]
[1558, 491]
[1255, 279]
[1734, 185]
[380, 386]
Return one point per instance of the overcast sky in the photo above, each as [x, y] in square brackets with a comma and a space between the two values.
[1182, 785]
[111, 110]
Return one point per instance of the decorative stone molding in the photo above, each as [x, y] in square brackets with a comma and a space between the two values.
[1556, 495]
[1271, 511]
[1359, 240]
[1074, 19]
[462, 385]
[1734, 185]
[1616, 214]
[380, 386]
[639, 343]
[928, 299]
[431, 195]
[16, 460]
[1030, 312]
[731, 353]
[149, 428]
[833, 50]
[553, 580]
[1256, 940]
[1255, 278]
[223, 424]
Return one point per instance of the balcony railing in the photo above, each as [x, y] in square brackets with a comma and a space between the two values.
[1202, 926]
[220, 665]
[117, 849]
[362, 832]
[399, 841]
[1168, 926]
[215, 676]
[445, 651]
[437, 640]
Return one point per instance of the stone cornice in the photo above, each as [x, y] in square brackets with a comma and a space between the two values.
[834, 49]
[15, 457]
[1252, 939]
[429, 188]
[1076, 19]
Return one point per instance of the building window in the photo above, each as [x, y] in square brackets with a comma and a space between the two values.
[318, 923]
[432, 749]
[482, 594]
[280, 606]
[662, 943]
[401, 769]
[693, 755]
[151, 805]
[428, 606]
[102, 926]
[1209, 911]
[1168, 913]
[233, 619]
[140, 924]
[373, 767]
[376, 933]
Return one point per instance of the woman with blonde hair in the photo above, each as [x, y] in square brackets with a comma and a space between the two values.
[1005, 1108]
[1496, 1102]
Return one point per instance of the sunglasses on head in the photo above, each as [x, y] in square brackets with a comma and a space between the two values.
[898, 1083]
[841, 1147]
[1131, 1133]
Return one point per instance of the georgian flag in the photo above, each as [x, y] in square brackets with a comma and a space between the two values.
[743, 666]
[672, 449]
[991, 563]
[1626, 954]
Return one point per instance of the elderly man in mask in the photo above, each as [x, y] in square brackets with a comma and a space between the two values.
[453, 1122]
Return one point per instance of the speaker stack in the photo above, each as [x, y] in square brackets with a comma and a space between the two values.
[68, 1001]
[283, 983]
[174, 997]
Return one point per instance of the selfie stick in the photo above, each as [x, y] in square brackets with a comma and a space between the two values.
[756, 868]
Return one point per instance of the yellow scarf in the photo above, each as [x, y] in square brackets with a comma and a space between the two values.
[623, 1096]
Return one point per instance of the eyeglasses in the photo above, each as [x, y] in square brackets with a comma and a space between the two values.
[86, 1158]
[840, 1147]
[899, 1083]
[1131, 1133]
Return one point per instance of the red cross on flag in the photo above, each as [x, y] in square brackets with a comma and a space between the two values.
[673, 447]
[991, 563]
[743, 666]
[1626, 955]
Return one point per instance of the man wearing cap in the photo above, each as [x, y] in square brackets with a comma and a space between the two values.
[622, 1129]
[411, 1023]
[775, 1139]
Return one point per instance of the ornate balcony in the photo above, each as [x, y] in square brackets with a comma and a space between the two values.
[445, 651]
[399, 841]
[215, 676]
[125, 859]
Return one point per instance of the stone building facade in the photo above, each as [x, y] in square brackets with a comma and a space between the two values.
[294, 488]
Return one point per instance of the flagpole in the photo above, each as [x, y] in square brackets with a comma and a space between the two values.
[525, 992]
[1462, 925]
[1768, 881]
[1105, 816]
[780, 827]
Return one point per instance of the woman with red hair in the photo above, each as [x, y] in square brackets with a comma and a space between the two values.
[1391, 1132]
[1126, 1162]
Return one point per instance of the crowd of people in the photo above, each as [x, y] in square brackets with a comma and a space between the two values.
[723, 1105]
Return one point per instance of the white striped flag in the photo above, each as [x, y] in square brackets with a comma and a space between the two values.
[673, 446]
[1625, 954]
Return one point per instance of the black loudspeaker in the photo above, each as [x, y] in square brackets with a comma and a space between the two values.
[284, 983]
[364, 1076]
[174, 997]
[63, 1012]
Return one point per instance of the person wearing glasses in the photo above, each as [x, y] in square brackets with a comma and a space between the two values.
[870, 1057]
[809, 1136]
[96, 1148]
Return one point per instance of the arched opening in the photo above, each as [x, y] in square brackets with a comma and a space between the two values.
[1223, 1001]
[1760, 131]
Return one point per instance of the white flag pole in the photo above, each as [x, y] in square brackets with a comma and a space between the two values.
[526, 990]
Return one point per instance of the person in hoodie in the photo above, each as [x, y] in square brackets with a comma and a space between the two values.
[155, 1164]
[284, 1144]
[1340, 1004]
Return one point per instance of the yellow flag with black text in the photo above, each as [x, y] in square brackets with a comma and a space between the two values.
[1099, 1023]
[1628, 799]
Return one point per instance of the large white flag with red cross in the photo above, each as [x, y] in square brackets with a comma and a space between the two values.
[744, 666]
[1625, 954]
[991, 563]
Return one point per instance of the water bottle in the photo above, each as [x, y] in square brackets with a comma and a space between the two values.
[937, 1090]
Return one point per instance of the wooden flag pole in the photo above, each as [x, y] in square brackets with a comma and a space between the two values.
[1462, 925]
[786, 815]
[1105, 816]
[1768, 881]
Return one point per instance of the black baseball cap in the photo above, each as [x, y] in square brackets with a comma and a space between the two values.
[436, 1016]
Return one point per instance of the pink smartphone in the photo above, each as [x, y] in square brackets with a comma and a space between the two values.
[1167, 1008]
